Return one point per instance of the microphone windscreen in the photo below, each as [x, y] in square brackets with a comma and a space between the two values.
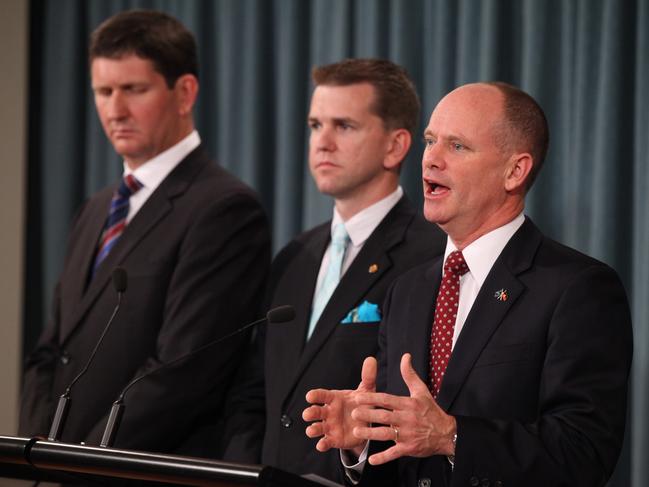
[120, 279]
[281, 314]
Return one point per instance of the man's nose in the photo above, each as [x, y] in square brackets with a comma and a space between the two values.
[117, 107]
[324, 139]
[433, 157]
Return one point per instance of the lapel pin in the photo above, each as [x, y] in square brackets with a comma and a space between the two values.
[373, 268]
[502, 295]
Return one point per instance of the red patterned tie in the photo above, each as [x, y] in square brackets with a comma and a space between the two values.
[446, 305]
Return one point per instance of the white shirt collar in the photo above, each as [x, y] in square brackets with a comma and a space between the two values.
[362, 224]
[153, 171]
[481, 254]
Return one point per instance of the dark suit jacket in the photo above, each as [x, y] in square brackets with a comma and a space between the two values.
[537, 382]
[269, 408]
[197, 255]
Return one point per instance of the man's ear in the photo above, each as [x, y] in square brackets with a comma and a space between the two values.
[519, 168]
[186, 89]
[398, 147]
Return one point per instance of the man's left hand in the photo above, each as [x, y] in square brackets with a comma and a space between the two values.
[417, 425]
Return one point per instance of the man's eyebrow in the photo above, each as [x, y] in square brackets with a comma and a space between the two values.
[458, 136]
[451, 136]
[334, 120]
[339, 120]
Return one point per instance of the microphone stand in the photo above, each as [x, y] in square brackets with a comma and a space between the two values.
[275, 315]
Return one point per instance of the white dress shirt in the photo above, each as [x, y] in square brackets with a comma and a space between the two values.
[155, 170]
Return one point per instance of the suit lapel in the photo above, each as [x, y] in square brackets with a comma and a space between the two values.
[420, 323]
[358, 280]
[156, 207]
[488, 312]
[91, 230]
[308, 266]
[302, 274]
[151, 214]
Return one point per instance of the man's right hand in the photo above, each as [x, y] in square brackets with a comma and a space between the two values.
[331, 410]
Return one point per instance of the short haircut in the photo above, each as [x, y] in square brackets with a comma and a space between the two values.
[396, 101]
[149, 34]
[525, 126]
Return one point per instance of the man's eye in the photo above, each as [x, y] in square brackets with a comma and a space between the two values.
[344, 126]
[458, 147]
[428, 142]
[314, 125]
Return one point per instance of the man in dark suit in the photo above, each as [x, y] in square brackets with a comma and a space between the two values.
[506, 362]
[362, 118]
[193, 240]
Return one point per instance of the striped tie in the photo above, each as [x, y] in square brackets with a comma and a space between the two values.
[116, 221]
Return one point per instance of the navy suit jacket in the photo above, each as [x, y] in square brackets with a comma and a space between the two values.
[537, 382]
[265, 418]
[197, 255]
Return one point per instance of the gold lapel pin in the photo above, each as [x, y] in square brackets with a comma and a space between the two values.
[501, 295]
[373, 268]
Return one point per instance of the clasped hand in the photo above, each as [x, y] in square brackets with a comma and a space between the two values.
[347, 419]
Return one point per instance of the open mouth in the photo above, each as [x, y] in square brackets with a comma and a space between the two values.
[433, 188]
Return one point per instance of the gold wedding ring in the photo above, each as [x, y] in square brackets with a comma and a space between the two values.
[396, 433]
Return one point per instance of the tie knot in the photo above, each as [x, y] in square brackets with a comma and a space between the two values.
[129, 186]
[339, 236]
[456, 264]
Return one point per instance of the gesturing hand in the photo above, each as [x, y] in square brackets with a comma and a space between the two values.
[419, 427]
[332, 409]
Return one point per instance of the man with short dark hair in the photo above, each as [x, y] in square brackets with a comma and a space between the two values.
[194, 242]
[362, 118]
[504, 363]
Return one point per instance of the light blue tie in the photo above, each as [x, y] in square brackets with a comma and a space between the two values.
[339, 241]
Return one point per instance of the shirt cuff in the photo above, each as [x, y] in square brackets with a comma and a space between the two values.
[353, 471]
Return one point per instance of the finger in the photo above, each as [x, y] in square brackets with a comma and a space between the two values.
[386, 456]
[381, 399]
[376, 416]
[368, 375]
[323, 445]
[416, 386]
[314, 413]
[314, 430]
[319, 396]
[381, 433]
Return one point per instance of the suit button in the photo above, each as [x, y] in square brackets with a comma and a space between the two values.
[474, 481]
[423, 483]
[65, 358]
[286, 421]
[485, 483]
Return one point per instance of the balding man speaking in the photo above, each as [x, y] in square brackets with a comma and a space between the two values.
[504, 363]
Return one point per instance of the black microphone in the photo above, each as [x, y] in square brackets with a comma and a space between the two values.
[280, 314]
[120, 280]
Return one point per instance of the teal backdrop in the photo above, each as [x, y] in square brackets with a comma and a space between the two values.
[585, 61]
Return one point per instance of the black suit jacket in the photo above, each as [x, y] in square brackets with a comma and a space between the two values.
[269, 407]
[197, 255]
[537, 382]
